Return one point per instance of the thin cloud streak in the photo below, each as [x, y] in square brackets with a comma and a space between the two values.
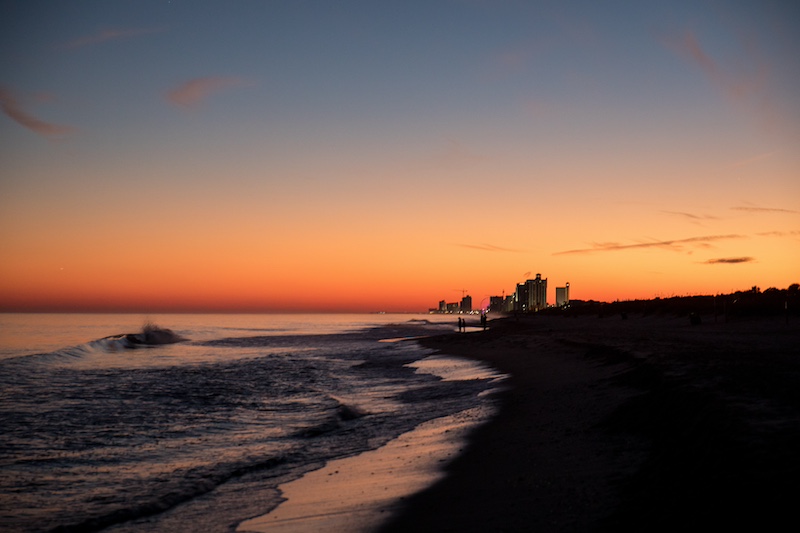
[751, 160]
[764, 209]
[613, 247]
[690, 45]
[12, 108]
[109, 35]
[734, 89]
[487, 248]
[691, 216]
[795, 233]
[194, 92]
[748, 91]
[729, 260]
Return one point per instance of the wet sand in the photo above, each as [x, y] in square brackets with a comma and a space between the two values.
[643, 424]
[360, 493]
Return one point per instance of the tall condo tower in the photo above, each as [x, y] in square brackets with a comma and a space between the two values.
[562, 295]
[537, 293]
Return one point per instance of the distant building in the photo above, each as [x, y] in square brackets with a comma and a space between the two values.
[562, 296]
[537, 293]
[528, 297]
[521, 298]
[496, 304]
[531, 296]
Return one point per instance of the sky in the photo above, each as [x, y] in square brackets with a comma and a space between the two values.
[382, 156]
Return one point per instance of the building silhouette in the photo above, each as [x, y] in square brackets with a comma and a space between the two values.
[464, 306]
[537, 293]
[521, 298]
[497, 303]
[528, 297]
[562, 296]
[531, 296]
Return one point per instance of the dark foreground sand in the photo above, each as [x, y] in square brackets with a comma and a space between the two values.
[643, 424]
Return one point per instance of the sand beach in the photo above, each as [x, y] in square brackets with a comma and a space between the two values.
[646, 423]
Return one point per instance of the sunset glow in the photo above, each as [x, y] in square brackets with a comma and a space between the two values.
[363, 156]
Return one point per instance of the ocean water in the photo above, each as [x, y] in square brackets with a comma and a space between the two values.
[103, 433]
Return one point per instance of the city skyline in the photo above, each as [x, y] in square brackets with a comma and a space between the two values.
[316, 156]
[528, 296]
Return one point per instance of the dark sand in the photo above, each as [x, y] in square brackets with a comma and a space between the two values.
[642, 424]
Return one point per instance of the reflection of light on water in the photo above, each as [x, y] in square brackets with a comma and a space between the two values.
[169, 355]
[401, 339]
[451, 368]
[361, 489]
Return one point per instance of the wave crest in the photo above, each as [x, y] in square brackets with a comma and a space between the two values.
[151, 335]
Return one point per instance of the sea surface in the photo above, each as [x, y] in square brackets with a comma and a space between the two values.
[101, 432]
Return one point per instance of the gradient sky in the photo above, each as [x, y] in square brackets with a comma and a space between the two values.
[360, 156]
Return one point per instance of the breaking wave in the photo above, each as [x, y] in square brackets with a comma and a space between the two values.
[151, 335]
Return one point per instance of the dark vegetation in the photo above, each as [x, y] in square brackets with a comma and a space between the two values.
[740, 304]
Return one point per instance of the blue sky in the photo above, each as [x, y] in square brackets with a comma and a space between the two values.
[655, 121]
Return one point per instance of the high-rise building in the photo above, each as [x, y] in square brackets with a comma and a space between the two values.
[521, 303]
[562, 296]
[496, 303]
[531, 296]
[537, 293]
[466, 304]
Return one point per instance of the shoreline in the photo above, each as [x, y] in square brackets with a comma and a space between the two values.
[641, 424]
[362, 492]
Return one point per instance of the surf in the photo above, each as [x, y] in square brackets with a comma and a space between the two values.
[150, 335]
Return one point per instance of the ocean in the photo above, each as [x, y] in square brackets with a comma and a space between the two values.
[107, 432]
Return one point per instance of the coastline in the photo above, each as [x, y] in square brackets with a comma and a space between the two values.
[361, 492]
[647, 423]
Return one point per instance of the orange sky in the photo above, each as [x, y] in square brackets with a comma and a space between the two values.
[361, 160]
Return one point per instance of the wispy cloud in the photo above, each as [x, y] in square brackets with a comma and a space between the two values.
[690, 46]
[751, 160]
[674, 244]
[487, 248]
[794, 233]
[735, 87]
[109, 35]
[745, 86]
[193, 92]
[752, 209]
[690, 216]
[729, 260]
[14, 110]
